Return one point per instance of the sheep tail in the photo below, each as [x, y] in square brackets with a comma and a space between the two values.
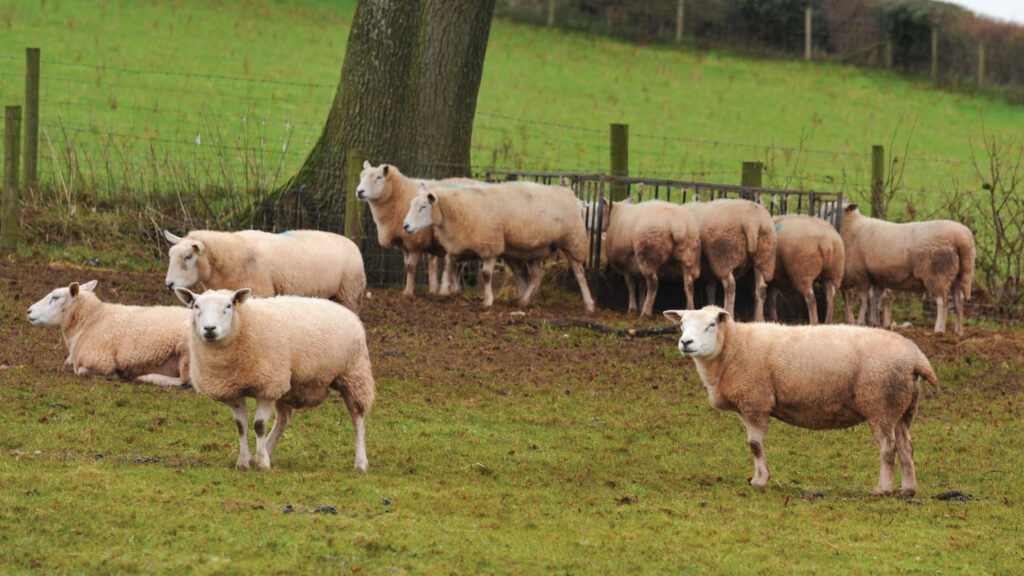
[966, 251]
[924, 370]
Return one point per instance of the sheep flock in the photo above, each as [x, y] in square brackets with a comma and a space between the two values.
[278, 320]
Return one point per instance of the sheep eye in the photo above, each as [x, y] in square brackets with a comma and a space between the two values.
[710, 326]
[55, 298]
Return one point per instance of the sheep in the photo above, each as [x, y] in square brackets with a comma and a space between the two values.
[388, 193]
[807, 249]
[298, 262]
[285, 352]
[934, 257]
[818, 377]
[735, 235]
[520, 221]
[645, 239]
[147, 343]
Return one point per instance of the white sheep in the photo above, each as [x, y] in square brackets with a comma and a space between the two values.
[298, 262]
[649, 238]
[285, 352]
[147, 343]
[807, 249]
[934, 257]
[388, 193]
[818, 377]
[735, 235]
[521, 222]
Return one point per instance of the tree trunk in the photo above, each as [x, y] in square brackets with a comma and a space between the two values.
[407, 96]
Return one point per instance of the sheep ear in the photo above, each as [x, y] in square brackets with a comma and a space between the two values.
[187, 297]
[676, 316]
[431, 197]
[171, 237]
[723, 317]
[366, 164]
[851, 208]
[241, 296]
[88, 286]
[198, 247]
[386, 169]
[422, 189]
[73, 289]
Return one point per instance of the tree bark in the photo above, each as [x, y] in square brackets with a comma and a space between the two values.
[407, 97]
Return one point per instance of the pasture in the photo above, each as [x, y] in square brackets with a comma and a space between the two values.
[499, 443]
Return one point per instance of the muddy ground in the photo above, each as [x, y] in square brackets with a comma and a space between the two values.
[987, 346]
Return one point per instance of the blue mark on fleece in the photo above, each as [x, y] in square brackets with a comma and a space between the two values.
[285, 233]
[778, 226]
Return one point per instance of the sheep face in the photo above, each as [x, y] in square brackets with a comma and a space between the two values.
[422, 212]
[213, 312]
[188, 263]
[372, 182]
[50, 310]
[703, 330]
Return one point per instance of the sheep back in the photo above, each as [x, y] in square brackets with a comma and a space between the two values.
[735, 234]
[807, 248]
[652, 234]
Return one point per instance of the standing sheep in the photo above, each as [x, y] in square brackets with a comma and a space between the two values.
[807, 249]
[736, 235]
[519, 221]
[389, 192]
[147, 343]
[645, 239]
[299, 262]
[818, 377]
[934, 257]
[285, 352]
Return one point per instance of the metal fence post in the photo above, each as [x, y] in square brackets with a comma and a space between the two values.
[9, 212]
[620, 159]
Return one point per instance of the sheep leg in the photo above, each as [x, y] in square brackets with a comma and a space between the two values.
[885, 437]
[940, 314]
[760, 287]
[729, 284]
[865, 304]
[630, 293]
[876, 306]
[812, 306]
[887, 309]
[848, 300]
[284, 415]
[905, 451]
[652, 291]
[411, 259]
[771, 304]
[432, 279]
[757, 427]
[710, 289]
[160, 380]
[534, 275]
[688, 288]
[264, 408]
[486, 273]
[449, 284]
[581, 279]
[830, 301]
[241, 414]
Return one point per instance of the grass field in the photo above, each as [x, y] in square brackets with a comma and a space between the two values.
[496, 446]
[130, 88]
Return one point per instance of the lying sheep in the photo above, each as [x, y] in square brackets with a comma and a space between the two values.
[818, 377]
[285, 352]
[649, 238]
[389, 192]
[299, 262]
[934, 257]
[807, 249]
[519, 221]
[147, 343]
[736, 235]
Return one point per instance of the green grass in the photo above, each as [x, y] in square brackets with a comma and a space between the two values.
[129, 86]
[592, 455]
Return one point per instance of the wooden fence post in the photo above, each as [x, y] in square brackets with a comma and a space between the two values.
[680, 15]
[9, 212]
[887, 55]
[30, 169]
[878, 181]
[807, 34]
[981, 64]
[935, 54]
[353, 208]
[551, 13]
[751, 175]
[620, 159]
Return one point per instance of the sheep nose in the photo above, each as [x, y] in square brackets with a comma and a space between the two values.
[170, 286]
[407, 228]
[361, 194]
[684, 343]
[209, 332]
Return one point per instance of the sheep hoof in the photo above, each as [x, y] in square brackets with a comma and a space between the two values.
[362, 467]
[905, 493]
[260, 466]
[879, 491]
[242, 465]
